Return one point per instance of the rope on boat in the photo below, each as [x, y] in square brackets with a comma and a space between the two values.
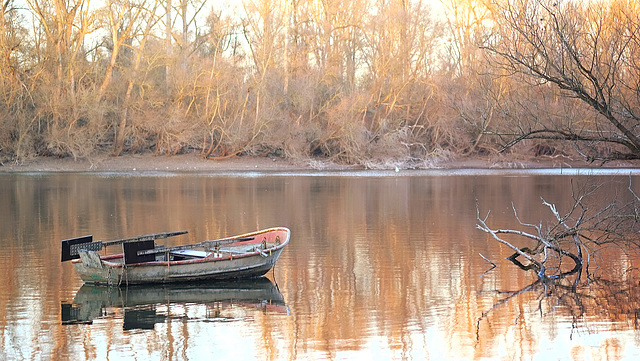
[123, 275]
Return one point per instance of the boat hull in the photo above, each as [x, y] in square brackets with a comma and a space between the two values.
[107, 270]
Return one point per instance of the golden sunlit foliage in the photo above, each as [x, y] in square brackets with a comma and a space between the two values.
[355, 81]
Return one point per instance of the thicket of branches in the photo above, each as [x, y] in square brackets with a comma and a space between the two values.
[356, 81]
[585, 50]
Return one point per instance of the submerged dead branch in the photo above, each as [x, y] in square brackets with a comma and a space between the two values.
[482, 225]
[577, 234]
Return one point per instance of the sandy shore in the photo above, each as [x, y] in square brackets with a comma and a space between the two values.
[195, 163]
[147, 162]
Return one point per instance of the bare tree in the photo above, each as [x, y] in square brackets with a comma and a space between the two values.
[65, 26]
[221, 36]
[468, 21]
[168, 35]
[123, 18]
[15, 97]
[151, 20]
[9, 45]
[189, 12]
[588, 51]
[59, 70]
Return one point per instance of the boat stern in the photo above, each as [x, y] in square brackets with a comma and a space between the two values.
[91, 268]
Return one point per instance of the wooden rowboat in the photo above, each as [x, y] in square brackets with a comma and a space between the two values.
[141, 261]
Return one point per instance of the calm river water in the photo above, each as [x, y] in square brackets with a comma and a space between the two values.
[381, 266]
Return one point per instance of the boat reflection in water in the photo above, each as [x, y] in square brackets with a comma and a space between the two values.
[142, 306]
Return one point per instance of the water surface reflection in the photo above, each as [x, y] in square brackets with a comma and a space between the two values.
[142, 306]
[378, 267]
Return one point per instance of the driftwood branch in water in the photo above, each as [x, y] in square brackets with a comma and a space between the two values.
[577, 234]
[544, 242]
[482, 225]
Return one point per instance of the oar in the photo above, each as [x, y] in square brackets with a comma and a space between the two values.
[70, 247]
[209, 244]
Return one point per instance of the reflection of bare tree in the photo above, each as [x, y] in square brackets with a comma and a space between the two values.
[617, 301]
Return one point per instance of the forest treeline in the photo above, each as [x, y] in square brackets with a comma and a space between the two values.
[354, 81]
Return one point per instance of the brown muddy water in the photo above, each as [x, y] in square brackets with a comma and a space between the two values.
[381, 266]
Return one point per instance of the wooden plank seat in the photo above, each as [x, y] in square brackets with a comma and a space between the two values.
[189, 254]
[184, 254]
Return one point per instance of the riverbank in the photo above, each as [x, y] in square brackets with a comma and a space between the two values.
[195, 163]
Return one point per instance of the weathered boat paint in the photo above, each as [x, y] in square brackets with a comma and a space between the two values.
[247, 259]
